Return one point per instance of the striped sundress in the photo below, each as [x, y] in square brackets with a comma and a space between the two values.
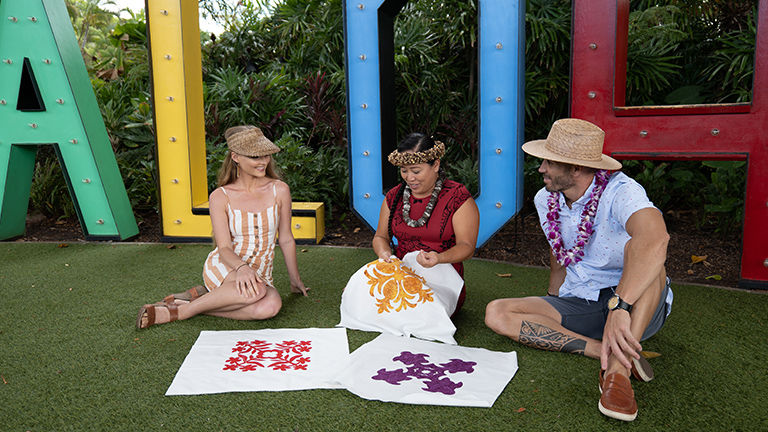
[253, 239]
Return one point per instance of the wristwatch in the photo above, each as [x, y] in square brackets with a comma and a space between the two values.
[616, 302]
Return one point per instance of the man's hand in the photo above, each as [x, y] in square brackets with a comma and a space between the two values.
[618, 339]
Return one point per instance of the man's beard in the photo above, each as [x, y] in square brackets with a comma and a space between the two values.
[559, 183]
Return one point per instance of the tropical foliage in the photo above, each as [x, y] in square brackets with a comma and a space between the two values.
[280, 65]
[691, 52]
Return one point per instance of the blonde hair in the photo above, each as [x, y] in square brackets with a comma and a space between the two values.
[228, 172]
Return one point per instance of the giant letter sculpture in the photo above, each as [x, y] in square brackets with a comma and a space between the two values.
[46, 98]
[177, 90]
[703, 132]
[370, 107]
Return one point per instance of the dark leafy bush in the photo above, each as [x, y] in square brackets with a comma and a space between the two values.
[49, 194]
[139, 172]
[314, 175]
[724, 196]
[465, 172]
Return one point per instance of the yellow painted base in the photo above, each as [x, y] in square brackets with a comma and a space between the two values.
[308, 222]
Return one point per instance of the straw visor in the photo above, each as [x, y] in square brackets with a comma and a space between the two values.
[573, 141]
[249, 141]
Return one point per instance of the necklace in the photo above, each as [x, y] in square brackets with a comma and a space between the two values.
[573, 255]
[427, 211]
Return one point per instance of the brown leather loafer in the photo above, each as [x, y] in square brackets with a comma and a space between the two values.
[641, 371]
[618, 399]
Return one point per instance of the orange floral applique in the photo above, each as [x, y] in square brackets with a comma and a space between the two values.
[394, 284]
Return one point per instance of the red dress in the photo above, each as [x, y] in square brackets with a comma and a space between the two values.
[437, 234]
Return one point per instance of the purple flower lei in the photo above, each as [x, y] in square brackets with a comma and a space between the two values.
[573, 255]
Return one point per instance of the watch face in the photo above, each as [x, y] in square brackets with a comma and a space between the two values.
[613, 302]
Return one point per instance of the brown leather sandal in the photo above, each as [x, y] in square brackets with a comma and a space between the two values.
[188, 295]
[149, 311]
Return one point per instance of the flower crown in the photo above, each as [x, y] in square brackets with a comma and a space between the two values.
[397, 158]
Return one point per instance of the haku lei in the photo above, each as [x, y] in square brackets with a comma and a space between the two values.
[427, 211]
[573, 255]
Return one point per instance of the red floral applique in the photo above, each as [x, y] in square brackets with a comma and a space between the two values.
[262, 354]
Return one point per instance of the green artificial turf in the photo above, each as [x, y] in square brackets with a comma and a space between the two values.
[71, 359]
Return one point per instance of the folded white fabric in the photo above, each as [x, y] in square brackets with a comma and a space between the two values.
[402, 298]
[406, 370]
[262, 360]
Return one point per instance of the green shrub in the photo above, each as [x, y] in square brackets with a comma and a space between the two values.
[49, 194]
[139, 172]
[270, 100]
[465, 172]
[724, 196]
[314, 175]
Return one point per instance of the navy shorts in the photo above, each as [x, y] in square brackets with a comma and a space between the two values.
[587, 317]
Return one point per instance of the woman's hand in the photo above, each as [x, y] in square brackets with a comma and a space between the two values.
[298, 287]
[427, 259]
[386, 256]
[248, 282]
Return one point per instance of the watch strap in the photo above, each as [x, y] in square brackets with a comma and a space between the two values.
[622, 304]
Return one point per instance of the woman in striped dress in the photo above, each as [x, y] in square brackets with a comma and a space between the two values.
[248, 210]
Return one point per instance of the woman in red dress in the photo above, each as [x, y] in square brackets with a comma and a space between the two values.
[427, 212]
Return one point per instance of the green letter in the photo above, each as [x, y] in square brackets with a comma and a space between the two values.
[46, 98]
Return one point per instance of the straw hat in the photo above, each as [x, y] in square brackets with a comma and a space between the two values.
[573, 141]
[249, 141]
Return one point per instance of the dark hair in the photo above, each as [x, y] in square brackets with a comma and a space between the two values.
[415, 142]
[392, 209]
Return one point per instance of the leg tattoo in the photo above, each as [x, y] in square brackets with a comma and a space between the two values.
[538, 336]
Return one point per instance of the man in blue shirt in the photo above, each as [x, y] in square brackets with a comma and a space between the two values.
[608, 288]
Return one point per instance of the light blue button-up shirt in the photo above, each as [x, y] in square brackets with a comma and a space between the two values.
[603, 260]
